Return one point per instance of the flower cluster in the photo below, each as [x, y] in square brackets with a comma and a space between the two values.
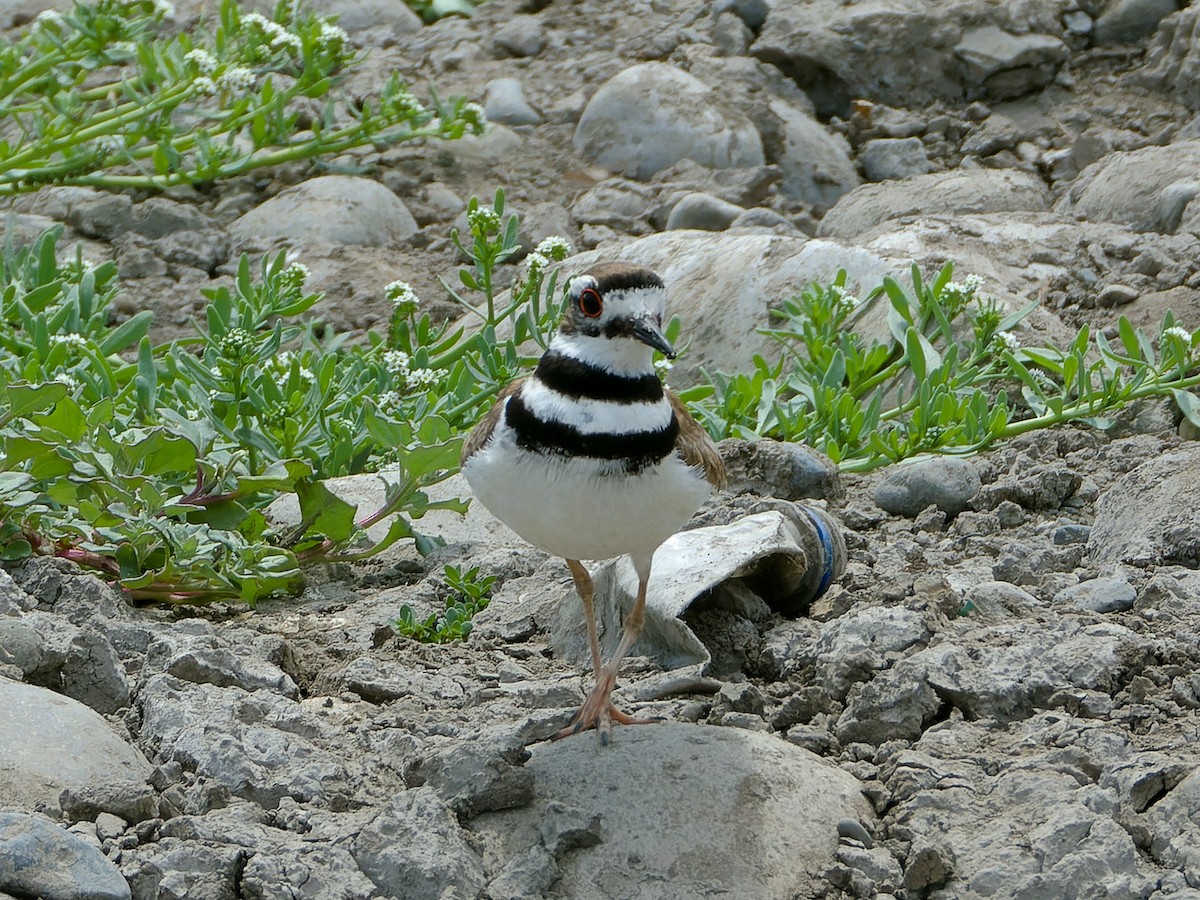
[205, 62]
[403, 298]
[554, 247]
[474, 117]
[275, 34]
[1005, 340]
[236, 342]
[846, 301]
[395, 361]
[483, 220]
[419, 379]
[292, 279]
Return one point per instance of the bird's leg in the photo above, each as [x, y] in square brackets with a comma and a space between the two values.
[587, 593]
[598, 711]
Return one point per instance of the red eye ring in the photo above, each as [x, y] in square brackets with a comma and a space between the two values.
[590, 303]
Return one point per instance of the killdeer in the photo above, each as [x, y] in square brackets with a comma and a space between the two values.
[591, 458]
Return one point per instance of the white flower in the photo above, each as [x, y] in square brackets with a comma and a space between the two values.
[72, 339]
[215, 371]
[663, 366]
[205, 85]
[68, 379]
[109, 144]
[48, 17]
[331, 36]
[474, 116]
[202, 60]
[395, 361]
[294, 276]
[388, 400]
[422, 378]
[164, 9]
[1180, 332]
[1005, 340]
[554, 247]
[972, 283]
[483, 219]
[403, 298]
[193, 413]
[238, 78]
[845, 299]
[276, 34]
[535, 263]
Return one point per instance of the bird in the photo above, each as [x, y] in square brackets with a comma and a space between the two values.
[591, 457]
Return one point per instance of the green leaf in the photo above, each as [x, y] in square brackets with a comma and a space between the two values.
[24, 398]
[281, 476]
[1189, 405]
[325, 513]
[127, 333]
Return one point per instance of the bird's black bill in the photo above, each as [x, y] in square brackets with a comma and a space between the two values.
[651, 335]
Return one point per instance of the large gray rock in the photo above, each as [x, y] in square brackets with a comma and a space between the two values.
[1174, 824]
[50, 743]
[1135, 187]
[1173, 59]
[44, 860]
[1008, 65]
[174, 868]
[1013, 814]
[338, 209]
[839, 52]
[884, 159]
[761, 814]
[1002, 672]
[956, 192]
[816, 164]
[1151, 516]
[652, 115]
[416, 849]
[506, 103]
[93, 674]
[944, 482]
[260, 745]
[1127, 21]
[373, 21]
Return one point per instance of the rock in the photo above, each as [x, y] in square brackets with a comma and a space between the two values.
[474, 779]
[1151, 516]
[564, 828]
[336, 208]
[888, 158]
[1112, 295]
[851, 648]
[997, 600]
[891, 706]
[1173, 56]
[1102, 595]
[877, 864]
[955, 192]
[839, 53]
[780, 469]
[739, 799]
[1174, 833]
[173, 868]
[87, 754]
[1128, 21]
[132, 801]
[520, 36]
[20, 645]
[374, 20]
[764, 217]
[41, 859]
[731, 35]
[1005, 65]
[259, 745]
[928, 865]
[947, 483]
[416, 849]
[529, 875]
[101, 214]
[13, 598]
[505, 103]
[305, 872]
[816, 164]
[1129, 187]
[652, 115]
[223, 668]
[703, 211]
[93, 674]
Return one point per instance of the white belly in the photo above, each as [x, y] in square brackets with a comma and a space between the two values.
[569, 508]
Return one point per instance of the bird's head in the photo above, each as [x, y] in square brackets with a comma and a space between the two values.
[614, 317]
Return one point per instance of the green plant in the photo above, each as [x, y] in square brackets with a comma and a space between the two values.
[951, 379]
[153, 465]
[100, 96]
[470, 596]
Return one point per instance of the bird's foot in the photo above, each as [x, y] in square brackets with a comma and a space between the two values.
[599, 712]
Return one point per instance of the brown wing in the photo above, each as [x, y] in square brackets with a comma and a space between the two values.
[694, 444]
[482, 432]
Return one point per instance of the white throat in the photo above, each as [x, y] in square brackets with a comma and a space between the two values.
[621, 356]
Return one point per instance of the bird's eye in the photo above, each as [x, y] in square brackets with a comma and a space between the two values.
[590, 303]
